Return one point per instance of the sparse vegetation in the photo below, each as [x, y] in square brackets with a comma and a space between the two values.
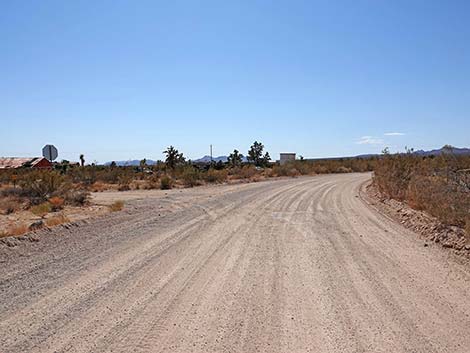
[56, 220]
[166, 182]
[9, 205]
[439, 185]
[190, 176]
[16, 230]
[116, 206]
[216, 176]
[57, 203]
[42, 209]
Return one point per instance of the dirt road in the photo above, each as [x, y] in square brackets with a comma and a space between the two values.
[294, 265]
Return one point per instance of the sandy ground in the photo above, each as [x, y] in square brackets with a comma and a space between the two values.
[295, 265]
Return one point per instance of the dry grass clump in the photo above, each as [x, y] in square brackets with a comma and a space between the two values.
[216, 176]
[9, 205]
[99, 186]
[116, 206]
[57, 203]
[288, 169]
[245, 172]
[166, 182]
[56, 220]
[16, 230]
[42, 209]
[433, 184]
[124, 183]
[190, 176]
[77, 197]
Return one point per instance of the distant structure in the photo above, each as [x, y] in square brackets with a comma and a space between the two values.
[286, 157]
[20, 162]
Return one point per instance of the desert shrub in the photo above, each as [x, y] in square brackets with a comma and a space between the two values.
[293, 173]
[124, 183]
[216, 176]
[152, 182]
[434, 184]
[190, 176]
[98, 186]
[42, 209]
[77, 197]
[57, 203]
[245, 172]
[9, 205]
[12, 192]
[166, 182]
[16, 230]
[343, 169]
[116, 206]
[281, 170]
[40, 186]
[56, 220]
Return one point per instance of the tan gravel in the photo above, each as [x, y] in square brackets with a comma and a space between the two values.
[294, 265]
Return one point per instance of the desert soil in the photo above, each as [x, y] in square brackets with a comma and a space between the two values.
[294, 265]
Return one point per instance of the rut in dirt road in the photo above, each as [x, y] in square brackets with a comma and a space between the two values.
[298, 265]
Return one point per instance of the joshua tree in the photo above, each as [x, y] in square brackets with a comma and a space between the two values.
[255, 155]
[143, 164]
[173, 157]
[234, 159]
[82, 160]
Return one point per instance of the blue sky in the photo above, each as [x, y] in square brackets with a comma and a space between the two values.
[124, 79]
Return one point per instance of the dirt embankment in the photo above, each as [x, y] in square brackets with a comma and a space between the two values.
[430, 228]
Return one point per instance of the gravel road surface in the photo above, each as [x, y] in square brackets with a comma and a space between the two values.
[292, 265]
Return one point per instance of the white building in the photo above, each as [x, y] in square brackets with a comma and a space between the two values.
[286, 157]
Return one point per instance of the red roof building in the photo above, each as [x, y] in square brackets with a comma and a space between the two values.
[17, 162]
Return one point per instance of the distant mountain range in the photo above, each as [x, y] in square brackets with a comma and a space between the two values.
[131, 163]
[437, 152]
[455, 150]
[207, 159]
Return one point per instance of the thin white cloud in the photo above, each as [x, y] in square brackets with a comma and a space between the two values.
[394, 134]
[370, 140]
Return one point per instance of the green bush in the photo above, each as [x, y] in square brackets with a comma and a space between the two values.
[190, 176]
[166, 182]
[216, 176]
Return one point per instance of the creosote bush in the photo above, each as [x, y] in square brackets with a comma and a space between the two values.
[216, 176]
[166, 182]
[190, 176]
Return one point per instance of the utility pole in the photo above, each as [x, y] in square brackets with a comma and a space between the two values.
[211, 154]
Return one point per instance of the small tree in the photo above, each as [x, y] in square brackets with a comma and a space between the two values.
[266, 159]
[143, 164]
[255, 155]
[173, 157]
[82, 160]
[234, 159]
